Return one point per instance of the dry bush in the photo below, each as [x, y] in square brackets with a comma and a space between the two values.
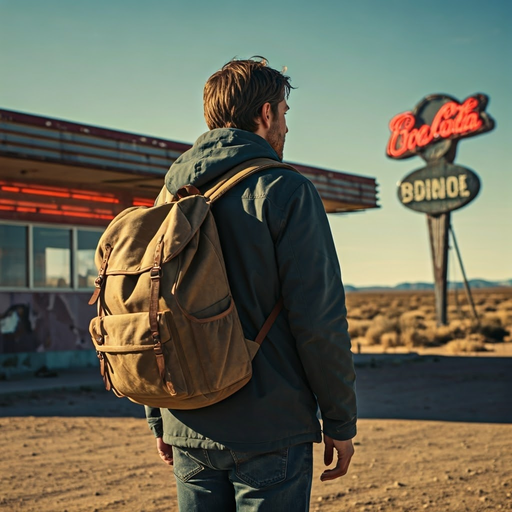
[357, 328]
[428, 312]
[411, 315]
[357, 343]
[378, 327]
[459, 328]
[506, 305]
[390, 340]
[443, 334]
[369, 312]
[414, 319]
[412, 337]
[504, 316]
[473, 343]
[493, 331]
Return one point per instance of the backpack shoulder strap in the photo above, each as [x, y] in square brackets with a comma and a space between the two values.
[240, 172]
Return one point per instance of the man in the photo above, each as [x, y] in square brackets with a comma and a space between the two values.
[253, 450]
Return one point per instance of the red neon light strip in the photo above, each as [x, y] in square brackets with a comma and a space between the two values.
[58, 192]
[76, 214]
[75, 208]
[40, 192]
[97, 198]
[10, 189]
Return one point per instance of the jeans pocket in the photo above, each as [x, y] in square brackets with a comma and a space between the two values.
[261, 469]
[184, 466]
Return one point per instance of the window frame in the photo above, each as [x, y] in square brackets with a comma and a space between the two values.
[30, 256]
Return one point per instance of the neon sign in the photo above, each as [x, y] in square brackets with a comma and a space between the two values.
[434, 119]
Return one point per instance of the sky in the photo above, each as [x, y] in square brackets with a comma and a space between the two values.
[141, 67]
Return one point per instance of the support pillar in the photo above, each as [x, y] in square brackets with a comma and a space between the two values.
[438, 228]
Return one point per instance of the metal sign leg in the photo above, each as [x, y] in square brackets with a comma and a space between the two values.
[438, 228]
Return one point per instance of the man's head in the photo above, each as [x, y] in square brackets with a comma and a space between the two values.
[251, 96]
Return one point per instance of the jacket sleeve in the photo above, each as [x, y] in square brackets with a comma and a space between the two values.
[315, 300]
[154, 417]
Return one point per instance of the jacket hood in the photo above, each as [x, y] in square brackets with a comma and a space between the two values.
[213, 154]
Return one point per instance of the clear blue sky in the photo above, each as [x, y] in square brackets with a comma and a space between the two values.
[141, 66]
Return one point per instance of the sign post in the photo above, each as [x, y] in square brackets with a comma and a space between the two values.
[432, 131]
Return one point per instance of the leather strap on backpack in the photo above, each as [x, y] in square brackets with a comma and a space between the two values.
[269, 322]
[156, 275]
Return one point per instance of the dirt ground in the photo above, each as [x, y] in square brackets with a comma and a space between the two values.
[435, 434]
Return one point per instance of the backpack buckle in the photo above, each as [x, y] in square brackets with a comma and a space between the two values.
[156, 272]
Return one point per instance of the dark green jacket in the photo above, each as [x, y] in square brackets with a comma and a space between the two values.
[276, 242]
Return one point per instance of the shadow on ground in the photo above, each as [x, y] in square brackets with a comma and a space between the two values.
[468, 389]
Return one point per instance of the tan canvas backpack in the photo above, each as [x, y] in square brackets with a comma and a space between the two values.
[167, 332]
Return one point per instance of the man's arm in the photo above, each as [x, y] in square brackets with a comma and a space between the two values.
[315, 300]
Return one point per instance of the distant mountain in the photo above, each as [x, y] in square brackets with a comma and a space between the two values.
[473, 283]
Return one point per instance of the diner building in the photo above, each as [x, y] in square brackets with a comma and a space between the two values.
[61, 183]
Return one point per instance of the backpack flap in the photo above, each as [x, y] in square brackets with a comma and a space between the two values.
[133, 238]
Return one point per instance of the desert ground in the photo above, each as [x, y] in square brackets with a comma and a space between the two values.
[435, 428]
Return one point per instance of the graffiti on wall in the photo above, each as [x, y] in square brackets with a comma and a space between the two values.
[41, 322]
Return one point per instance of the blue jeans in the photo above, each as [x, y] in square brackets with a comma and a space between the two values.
[229, 481]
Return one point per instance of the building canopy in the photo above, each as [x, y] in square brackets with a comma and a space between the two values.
[85, 174]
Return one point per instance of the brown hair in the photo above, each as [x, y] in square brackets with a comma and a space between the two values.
[233, 96]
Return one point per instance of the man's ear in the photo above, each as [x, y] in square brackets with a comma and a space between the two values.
[265, 116]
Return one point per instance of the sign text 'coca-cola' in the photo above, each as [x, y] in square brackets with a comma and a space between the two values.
[436, 118]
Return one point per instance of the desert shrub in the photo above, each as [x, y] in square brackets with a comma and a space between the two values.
[504, 316]
[357, 343]
[378, 313]
[357, 328]
[434, 335]
[394, 314]
[506, 305]
[458, 329]
[369, 312]
[473, 343]
[443, 334]
[493, 332]
[396, 304]
[354, 313]
[412, 319]
[378, 327]
[412, 337]
[390, 340]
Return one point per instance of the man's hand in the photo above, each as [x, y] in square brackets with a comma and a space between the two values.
[345, 451]
[164, 450]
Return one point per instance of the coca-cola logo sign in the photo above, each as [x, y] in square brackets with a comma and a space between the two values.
[438, 188]
[437, 120]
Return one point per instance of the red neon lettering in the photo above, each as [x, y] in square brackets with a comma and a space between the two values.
[452, 119]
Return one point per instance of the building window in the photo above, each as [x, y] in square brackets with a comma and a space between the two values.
[86, 248]
[13, 256]
[52, 257]
[42, 257]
